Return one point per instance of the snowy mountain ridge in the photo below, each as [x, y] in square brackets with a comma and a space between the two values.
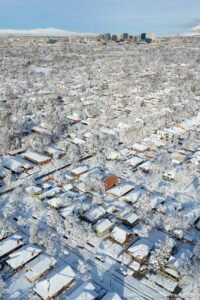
[195, 31]
[43, 32]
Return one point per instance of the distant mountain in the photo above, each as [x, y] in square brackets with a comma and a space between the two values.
[195, 31]
[42, 32]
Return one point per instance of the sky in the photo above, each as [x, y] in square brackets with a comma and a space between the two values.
[164, 17]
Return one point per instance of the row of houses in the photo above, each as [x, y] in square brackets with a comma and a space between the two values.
[45, 276]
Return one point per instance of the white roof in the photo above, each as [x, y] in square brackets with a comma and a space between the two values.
[33, 189]
[74, 117]
[121, 189]
[119, 234]
[53, 150]
[67, 187]
[50, 287]
[133, 196]
[36, 156]
[80, 170]
[38, 266]
[25, 163]
[111, 296]
[146, 166]
[131, 218]
[135, 161]
[13, 165]
[22, 256]
[41, 130]
[78, 141]
[84, 292]
[95, 213]
[102, 225]
[57, 202]
[50, 193]
[141, 248]
[166, 282]
[114, 250]
[65, 212]
[139, 147]
[181, 257]
[10, 244]
[134, 265]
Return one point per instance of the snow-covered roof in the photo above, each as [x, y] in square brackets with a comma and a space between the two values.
[102, 225]
[67, 187]
[139, 147]
[181, 257]
[34, 190]
[10, 244]
[131, 218]
[25, 163]
[57, 202]
[165, 281]
[78, 141]
[114, 251]
[50, 193]
[51, 150]
[135, 161]
[95, 213]
[80, 170]
[22, 256]
[36, 157]
[41, 130]
[85, 291]
[37, 267]
[140, 249]
[13, 165]
[119, 234]
[133, 196]
[121, 189]
[52, 286]
[70, 209]
[134, 265]
[145, 167]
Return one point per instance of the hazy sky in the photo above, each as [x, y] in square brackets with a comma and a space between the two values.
[164, 17]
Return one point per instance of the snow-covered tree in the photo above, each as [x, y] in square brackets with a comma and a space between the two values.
[161, 254]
